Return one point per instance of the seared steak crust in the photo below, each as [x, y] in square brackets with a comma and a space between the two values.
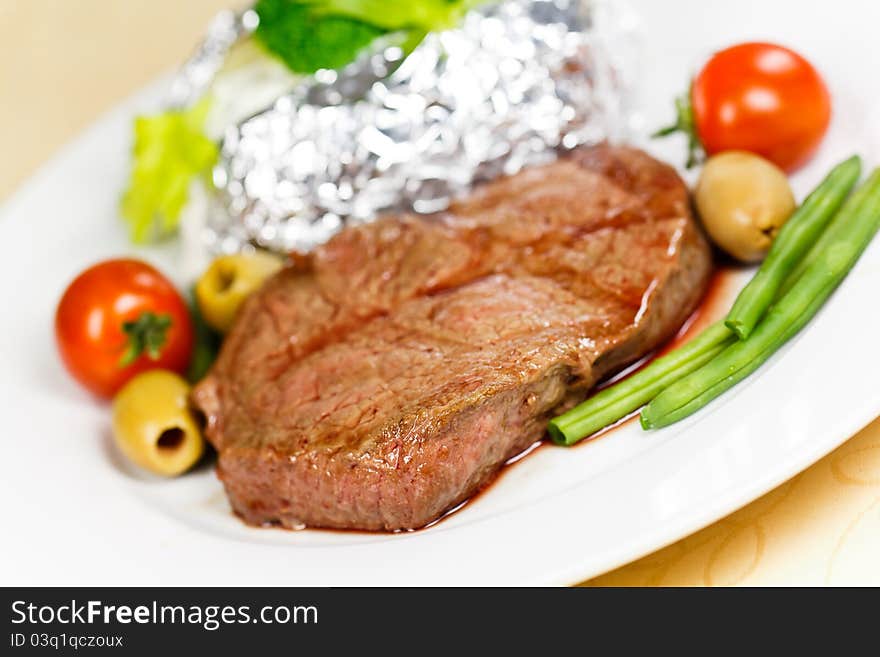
[388, 377]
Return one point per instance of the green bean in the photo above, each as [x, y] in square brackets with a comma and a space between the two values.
[846, 238]
[821, 245]
[609, 405]
[730, 381]
[795, 238]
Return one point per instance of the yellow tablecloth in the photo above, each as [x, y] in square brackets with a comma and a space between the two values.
[63, 62]
[822, 527]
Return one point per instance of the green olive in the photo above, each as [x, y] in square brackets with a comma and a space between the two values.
[153, 426]
[228, 281]
[743, 200]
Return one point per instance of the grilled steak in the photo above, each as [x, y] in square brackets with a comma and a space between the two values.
[388, 377]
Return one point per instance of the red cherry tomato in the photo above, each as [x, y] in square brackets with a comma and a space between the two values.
[119, 318]
[762, 98]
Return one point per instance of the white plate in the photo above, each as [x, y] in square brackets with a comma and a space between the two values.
[76, 514]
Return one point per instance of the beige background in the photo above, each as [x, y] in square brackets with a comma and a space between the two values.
[63, 62]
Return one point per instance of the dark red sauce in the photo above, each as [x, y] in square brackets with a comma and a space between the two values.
[715, 304]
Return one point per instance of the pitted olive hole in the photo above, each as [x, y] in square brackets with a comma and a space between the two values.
[225, 279]
[170, 439]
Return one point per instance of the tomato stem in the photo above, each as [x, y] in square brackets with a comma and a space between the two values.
[684, 122]
[148, 333]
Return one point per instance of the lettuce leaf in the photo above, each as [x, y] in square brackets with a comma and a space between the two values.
[307, 42]
[420, 15]
[312, 34]
[170, 151]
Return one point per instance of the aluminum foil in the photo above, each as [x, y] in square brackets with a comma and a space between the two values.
[197, 74]
[514, 85]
